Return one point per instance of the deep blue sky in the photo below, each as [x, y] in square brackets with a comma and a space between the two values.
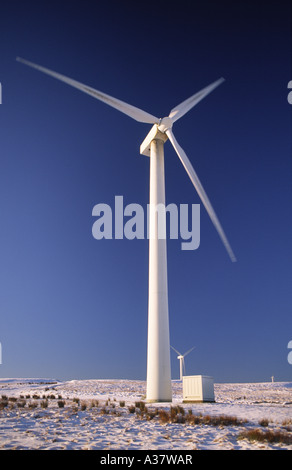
[74, 307]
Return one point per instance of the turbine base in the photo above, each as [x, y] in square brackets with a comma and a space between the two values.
[158, 400]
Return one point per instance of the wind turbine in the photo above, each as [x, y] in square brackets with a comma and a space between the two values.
[158, 347]
[181, 358]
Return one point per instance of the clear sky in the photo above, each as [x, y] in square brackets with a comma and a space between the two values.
[75, 307]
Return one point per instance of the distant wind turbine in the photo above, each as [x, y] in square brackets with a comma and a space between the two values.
[158, 348]
[181, 358]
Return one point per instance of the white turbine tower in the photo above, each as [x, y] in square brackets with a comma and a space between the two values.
[181, 358]
[158, 348]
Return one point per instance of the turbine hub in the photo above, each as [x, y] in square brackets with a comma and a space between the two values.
[165, 124]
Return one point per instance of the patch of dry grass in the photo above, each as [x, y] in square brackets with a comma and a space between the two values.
[269, 436]
[178, 414]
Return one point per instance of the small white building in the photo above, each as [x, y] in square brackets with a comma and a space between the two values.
[198, 388]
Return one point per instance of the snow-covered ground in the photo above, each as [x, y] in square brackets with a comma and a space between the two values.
[102, 419]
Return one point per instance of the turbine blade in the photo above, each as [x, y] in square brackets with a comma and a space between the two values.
[188, 352]
[201, 192]
[132, 111]
[176, 351]
[181, 109]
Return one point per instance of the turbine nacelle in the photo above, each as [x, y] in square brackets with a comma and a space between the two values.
[165, 124]
[159, 130]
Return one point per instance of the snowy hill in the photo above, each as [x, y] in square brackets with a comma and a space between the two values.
[41, 413]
